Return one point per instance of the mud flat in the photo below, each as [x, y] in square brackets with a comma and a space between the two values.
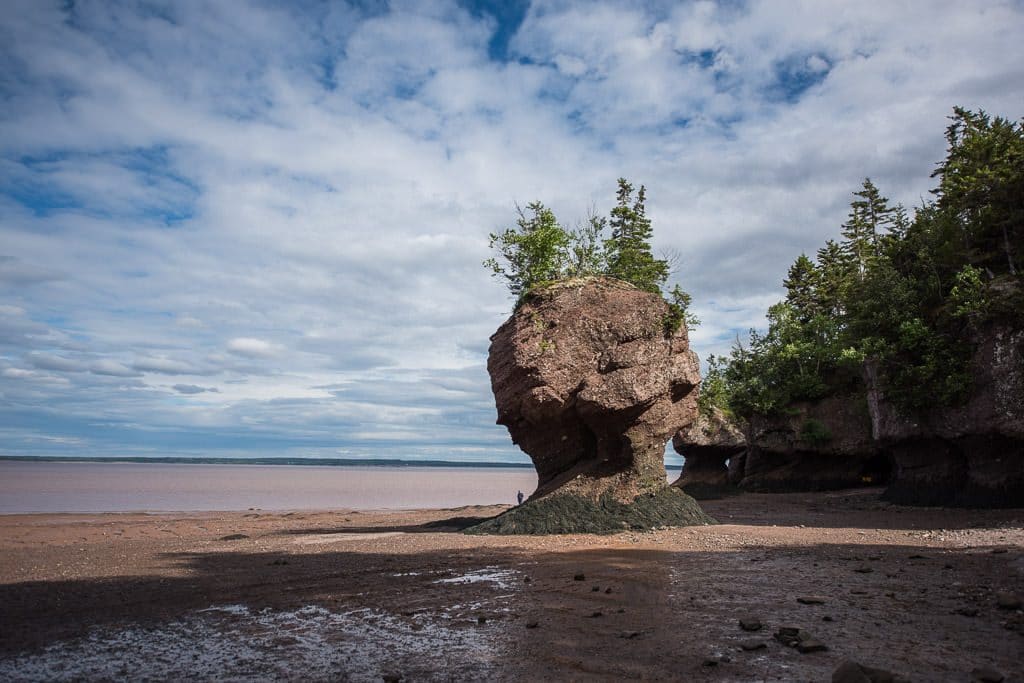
[927, 593]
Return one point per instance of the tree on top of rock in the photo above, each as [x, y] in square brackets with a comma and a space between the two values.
[629, 248]
[534, 253]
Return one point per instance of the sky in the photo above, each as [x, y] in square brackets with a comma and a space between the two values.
[254, 228]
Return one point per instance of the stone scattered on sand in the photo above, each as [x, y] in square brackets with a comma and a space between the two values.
[811, 600]
[233, 537]
[596, 614]
[607, 591]
[751, 624]
[595, 589]
[811, 645]
[532, 623]
[391, 677]
[852, 672]
[579, 577]
[967, 611]
[827, 617]
[752, 645]
[863, 570]
[986, 674]
[1007, 600]
[803, 641]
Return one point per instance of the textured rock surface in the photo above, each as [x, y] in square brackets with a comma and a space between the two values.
[815, 446]
[707, 445]
[591, 387]
[970, 455]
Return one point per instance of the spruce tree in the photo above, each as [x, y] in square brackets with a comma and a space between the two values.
[629, 249]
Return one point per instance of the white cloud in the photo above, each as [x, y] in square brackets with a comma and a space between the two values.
[251, 348]
[293, 198]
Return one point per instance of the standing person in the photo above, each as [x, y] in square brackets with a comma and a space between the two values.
[519, 497]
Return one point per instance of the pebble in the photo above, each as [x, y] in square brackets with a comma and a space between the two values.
[1007, 600]
[751, 624]
[852, 672]
[751, 645]
[811, 600]
[967, 611]
[863, 570]
[532, 623]
[987, 674]
[579, 577]
[806, 646]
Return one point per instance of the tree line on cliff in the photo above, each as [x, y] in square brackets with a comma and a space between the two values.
[539, 251]
[908, 294]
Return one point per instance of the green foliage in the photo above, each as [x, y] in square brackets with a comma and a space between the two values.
[533, 252]
[629, 248]
[539, 251]
[678, 312]
[904, 292]
[815, 432]
[714, 388]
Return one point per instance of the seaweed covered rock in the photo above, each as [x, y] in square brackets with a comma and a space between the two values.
[708, 446]
[591, 380]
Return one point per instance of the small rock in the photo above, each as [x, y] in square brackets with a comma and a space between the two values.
[967, 611]
[481, 620]
[999, 551]
[233, 537]
[629, 635]
[751, 645]
[987, 674]
[811, 645]
[579, 577]
[1007, 600]
[532, 623]
[607, 591]
[391, 677]
[595, 589]
[827, 617]
[948, 566]
[852, 672]
[596, 614]
[751, 624]
[709, 662]
[863, 570]
[527, 579]
[811, 600]
[916, 556]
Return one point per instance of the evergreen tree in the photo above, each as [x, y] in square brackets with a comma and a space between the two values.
[802, 288]
[629, 249]
[870, 214]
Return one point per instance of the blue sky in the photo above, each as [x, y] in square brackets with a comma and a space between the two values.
[253, 228]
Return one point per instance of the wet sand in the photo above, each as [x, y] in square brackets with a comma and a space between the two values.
[343, 595]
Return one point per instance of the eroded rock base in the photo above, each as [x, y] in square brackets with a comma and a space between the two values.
[566, 513]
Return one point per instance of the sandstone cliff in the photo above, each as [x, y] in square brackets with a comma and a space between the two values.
[813, 446]
[969, 455]
[591, 385]
[709, 446]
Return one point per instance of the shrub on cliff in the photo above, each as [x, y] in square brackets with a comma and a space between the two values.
[539, 251]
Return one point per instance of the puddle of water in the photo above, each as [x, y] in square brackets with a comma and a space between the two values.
[235, 643]
[501, 578]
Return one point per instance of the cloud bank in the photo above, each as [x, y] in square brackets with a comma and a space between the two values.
[257, 228]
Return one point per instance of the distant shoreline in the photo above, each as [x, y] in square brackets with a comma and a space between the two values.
[329, 462]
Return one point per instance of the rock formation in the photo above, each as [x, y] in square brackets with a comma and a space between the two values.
[969, 455]
[591, 383]
[708, 447]
[813, 446]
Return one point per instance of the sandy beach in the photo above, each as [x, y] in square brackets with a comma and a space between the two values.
[403, 595]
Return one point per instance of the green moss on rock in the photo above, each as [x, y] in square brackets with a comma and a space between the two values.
[563, 513]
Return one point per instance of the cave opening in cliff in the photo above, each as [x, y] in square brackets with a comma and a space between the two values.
[877, 469]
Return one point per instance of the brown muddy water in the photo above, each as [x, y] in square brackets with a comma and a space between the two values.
[158, 487]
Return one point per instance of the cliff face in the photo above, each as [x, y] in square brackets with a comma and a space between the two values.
[970, 455]
[815, 446]
[707, 445]
[591, 387]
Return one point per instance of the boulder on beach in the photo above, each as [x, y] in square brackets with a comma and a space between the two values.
[591, 380]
